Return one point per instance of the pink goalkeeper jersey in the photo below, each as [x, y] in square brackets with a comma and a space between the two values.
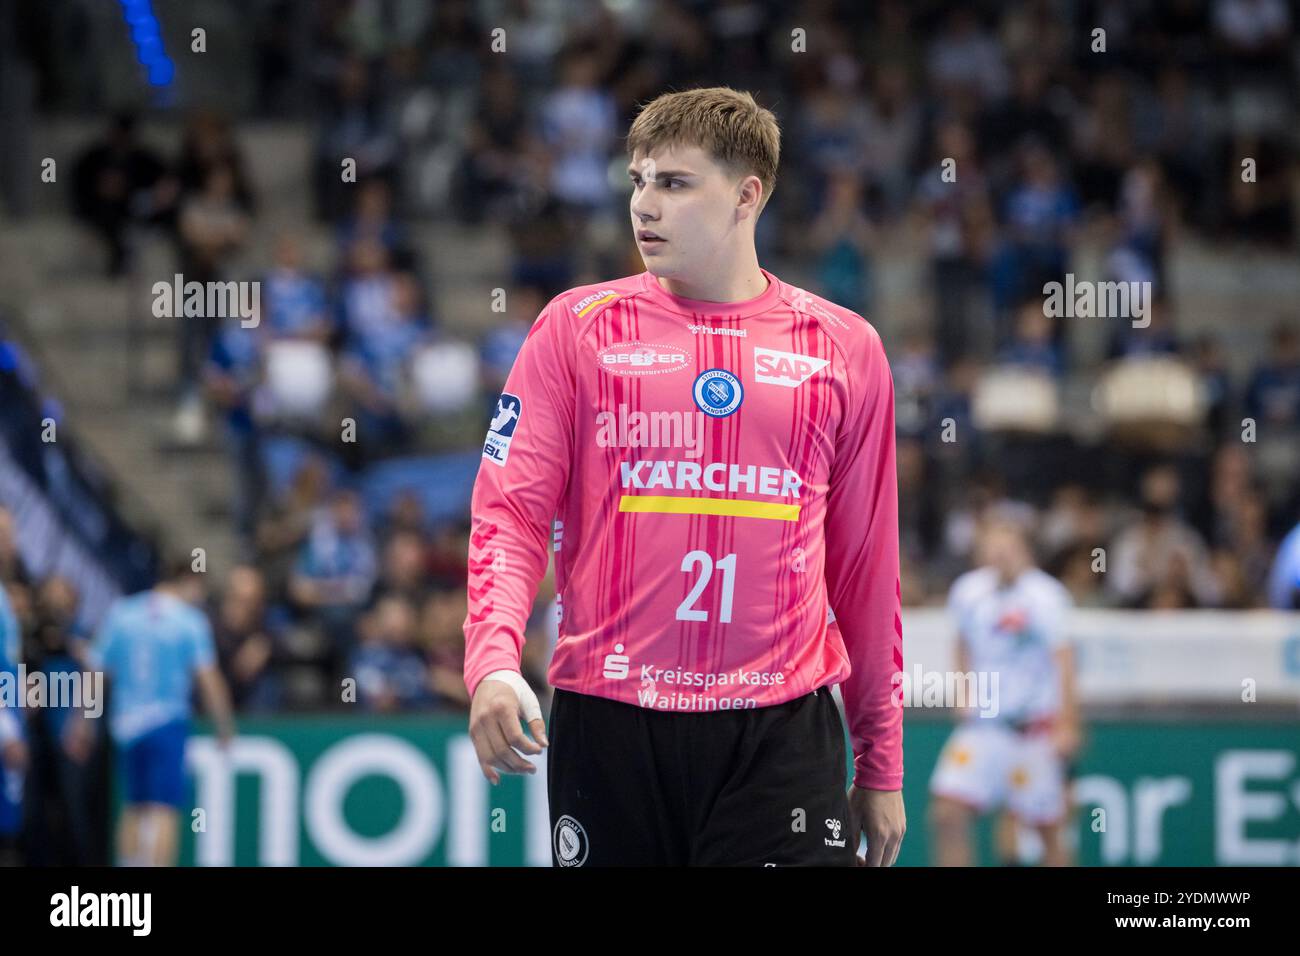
[713, 478]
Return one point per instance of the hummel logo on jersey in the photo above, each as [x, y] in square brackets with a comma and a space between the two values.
[773, 367]
[718, 330]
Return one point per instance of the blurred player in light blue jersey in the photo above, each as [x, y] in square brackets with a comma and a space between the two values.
[13, 746]
[153, 647]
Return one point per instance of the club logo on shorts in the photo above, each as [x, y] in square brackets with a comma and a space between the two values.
[569, 841]
[502, 429]
[717, 392]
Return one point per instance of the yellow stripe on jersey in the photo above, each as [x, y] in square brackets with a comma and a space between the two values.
[587, 308]
[674, 505]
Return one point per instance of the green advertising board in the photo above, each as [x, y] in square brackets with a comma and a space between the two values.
[333, 790]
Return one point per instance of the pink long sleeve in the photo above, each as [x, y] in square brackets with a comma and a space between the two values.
[862, 574]
[525, 466]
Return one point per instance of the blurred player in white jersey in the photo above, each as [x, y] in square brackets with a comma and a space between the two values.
[1011, 622]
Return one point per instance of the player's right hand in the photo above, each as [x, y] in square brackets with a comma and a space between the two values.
[881, 817]
[497, 732]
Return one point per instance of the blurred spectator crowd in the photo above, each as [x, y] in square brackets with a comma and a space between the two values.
[1139, 147]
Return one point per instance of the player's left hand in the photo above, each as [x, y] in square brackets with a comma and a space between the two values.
[880, 815]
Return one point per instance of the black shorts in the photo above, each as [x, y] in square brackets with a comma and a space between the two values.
[630, 786]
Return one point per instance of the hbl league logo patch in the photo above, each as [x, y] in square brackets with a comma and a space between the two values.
[502, 429]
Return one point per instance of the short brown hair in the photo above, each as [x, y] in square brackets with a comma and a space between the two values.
[727, 124]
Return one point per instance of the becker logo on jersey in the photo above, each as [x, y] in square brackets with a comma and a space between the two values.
[773, 367]
[502, 428]
[642, 358]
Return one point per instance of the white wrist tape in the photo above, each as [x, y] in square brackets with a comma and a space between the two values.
[528, 705]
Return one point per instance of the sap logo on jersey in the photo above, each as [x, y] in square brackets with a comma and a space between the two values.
[641, 358]
[502, 429]
[773, 367]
